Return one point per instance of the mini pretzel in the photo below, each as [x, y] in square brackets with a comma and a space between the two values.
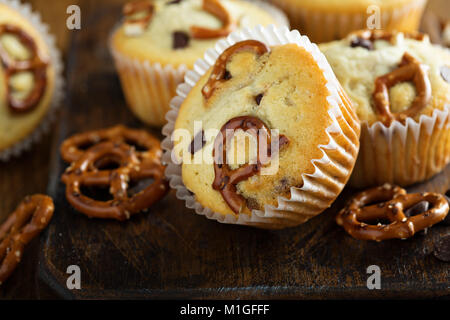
[74, 147]
[217, 9]
[36, 65]
[390, 203]
[86, 171]
[219, 69]
[31, 217]
[225, 179]
[136, 26]
[409, 69]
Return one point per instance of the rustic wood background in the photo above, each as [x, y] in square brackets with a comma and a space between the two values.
[304, 260]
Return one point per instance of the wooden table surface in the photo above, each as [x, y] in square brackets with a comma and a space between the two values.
[29, 174]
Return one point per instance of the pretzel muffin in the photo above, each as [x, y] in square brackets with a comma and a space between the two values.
[400, 87]
[29, 78]
[281, 101]
[327, 20]
[159, 40]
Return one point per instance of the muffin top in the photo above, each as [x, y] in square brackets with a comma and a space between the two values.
[173, 34]
[281, 90]
[404, 73]
[26, 77]
[348, 6]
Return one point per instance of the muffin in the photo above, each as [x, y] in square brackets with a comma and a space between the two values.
[159, 40]
[436, 22]
[30, 78]
[275, 82]
[399, 85]
[327, 20]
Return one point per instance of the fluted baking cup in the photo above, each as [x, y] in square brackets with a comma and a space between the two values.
[55, 56]
[323, 25]
[403, 154]
[332, 171]
[149, 87]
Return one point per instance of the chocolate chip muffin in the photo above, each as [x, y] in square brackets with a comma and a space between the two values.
[327, 20]
[399, 85]
[29, 78]
[286, 91]
[158, 40]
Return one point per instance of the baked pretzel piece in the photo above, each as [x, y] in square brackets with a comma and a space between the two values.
[226, 179]
[75, 146]
[88, 171]
[31, 217]
[409, 69]
[36, 65]
[137, 16]
[390, 203]
[219, 70]
[217, 9]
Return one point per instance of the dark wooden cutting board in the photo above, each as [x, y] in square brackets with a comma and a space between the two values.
[170, 252]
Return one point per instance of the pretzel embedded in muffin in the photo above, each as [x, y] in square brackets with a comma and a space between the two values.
[226, 179]
[219, 71]
[36, 65]
[218, 10]
[390, 203]
[137, 16]
[31, 217]
[409, 69]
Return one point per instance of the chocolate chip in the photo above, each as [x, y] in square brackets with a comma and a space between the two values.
[361, 42]
[258, 98]
[252, 203]
[283, 140]
[283, 186]
[226, 75]
[418, 208]
[180, 40]
[197, 143]
[442, 249]
[445, 73]
[173, 2]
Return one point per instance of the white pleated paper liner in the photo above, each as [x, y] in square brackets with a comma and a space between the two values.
[403, 154]
[148, 87]
[323, 25]
[58, 92]
[320, 188]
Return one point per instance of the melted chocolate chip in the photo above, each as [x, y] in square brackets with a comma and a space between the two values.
[173, 2]
[283, 186]
[283, 140]
[252, 203]
[442, 249]
[180, 40]
[445, 73]
[258, 98]
[197, 143]
[418, 208]
[226, 75]
[363, 43]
